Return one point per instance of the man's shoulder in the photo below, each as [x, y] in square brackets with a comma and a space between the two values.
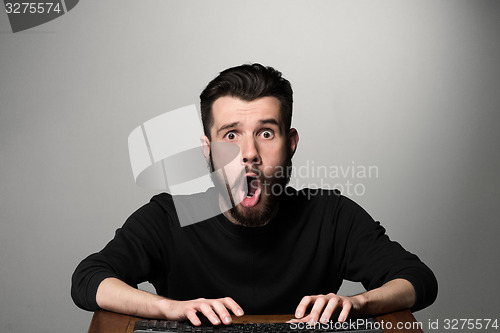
[170, 202]
[314, 191]
[159, 207]
[331, 199]
[163, 200]
[190, 208]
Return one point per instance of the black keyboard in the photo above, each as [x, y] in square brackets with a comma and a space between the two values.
[355, 326]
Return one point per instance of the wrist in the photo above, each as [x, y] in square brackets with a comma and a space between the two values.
[159, 307]
[360, 303]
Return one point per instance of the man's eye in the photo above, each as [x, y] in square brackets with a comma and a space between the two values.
[231, 136]
[267, 134]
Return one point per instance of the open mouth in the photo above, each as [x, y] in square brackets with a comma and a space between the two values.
[253, 192]
[252, 186]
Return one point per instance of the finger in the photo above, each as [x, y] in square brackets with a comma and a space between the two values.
[193, 318]
[346, 307]
[233, 306]
[208, 312]
[305, 319]
[302, 307]
[222, 312]
[328, 311]
[318, 306]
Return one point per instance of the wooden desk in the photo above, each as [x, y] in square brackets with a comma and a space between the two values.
[109, 322]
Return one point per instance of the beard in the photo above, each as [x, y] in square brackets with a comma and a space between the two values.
[272, 187]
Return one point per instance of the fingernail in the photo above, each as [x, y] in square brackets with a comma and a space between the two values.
[216, 321]
[227, 319]
[239, 312]
[298, 314]
[341, 318]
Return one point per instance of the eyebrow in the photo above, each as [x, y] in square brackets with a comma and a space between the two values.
[227, 126]
[269, 121]
[237, 123]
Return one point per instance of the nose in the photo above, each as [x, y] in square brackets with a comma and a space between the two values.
[250, 151]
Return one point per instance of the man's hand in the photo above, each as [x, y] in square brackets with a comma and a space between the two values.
[324, 306]
[115, 295]
[394, 295]
[215, 310]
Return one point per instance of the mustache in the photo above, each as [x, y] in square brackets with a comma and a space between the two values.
[253, 169]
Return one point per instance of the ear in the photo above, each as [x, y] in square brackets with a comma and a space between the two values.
[205, 146]
[293, 137]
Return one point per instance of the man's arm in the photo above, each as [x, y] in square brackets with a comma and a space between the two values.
[395, 278]
[394, 295]
[115, 295]
[107, 279]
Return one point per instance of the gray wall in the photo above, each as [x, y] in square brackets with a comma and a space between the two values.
[409, 87]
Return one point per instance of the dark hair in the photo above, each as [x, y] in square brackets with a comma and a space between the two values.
[247, 82]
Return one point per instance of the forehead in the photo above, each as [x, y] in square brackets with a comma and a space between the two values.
[230, 109]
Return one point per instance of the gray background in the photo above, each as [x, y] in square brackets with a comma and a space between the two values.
[411, 87]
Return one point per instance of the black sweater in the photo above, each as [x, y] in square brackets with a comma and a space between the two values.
[317, 239]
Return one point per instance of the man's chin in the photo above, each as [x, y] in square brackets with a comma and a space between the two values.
[254, 216]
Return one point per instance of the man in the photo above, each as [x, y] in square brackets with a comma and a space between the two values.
[277, 251]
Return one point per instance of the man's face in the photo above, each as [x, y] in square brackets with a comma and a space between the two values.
[266, 151]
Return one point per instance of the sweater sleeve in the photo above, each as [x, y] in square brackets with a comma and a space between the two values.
[373, 259]
[134, 255]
